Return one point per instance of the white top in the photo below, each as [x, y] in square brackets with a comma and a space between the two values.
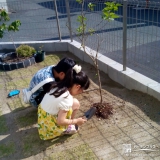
[52, 105]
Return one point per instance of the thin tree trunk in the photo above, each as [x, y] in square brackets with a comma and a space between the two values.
[100, 85]
[11, 38]
[82, 13]
[98, 73]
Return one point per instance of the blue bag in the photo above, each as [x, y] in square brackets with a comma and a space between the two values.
[13, 93]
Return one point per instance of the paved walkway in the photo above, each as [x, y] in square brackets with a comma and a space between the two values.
[132, 132]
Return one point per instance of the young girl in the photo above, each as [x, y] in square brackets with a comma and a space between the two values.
[58, 108]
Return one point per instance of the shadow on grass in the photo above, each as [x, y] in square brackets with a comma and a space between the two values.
[27, 117]
[20, 138]
[26, 143]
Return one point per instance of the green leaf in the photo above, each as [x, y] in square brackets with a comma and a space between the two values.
[81, 29]
[14, 26]
[79, 1]
[91, 31]
[91, 6]
[4, 15]
[109, 11]
[3, 27]
[1, 34]
[81, 19]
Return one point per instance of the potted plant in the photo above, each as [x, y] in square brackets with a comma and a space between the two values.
[25, 51]
[40, 55]
[23, 55]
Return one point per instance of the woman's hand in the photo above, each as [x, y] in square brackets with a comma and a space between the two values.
[81, 120]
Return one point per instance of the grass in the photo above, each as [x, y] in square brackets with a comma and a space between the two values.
[22, 83]
[50, 60]
[18, 83]
[6, 149]
[3, 125]
[1, 86]
[28, 119]
[32, 144]
[13, 74]
[15, 103]
[10, 85]
[81, 152]
[2, 73]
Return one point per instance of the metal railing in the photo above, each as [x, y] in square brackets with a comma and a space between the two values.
[136, 33]
[132, 39]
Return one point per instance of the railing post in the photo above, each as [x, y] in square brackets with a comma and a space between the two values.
[69, 19]
[124, 34]
[57, 19]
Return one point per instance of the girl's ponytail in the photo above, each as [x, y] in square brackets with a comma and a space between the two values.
[73, 76]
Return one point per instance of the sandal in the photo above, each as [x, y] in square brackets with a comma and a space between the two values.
[70, 130]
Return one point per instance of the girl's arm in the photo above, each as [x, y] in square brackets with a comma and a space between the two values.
[61, 120]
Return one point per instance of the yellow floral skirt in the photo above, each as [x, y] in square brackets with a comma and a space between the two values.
[47, 124]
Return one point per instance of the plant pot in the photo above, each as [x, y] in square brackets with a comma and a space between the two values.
[15, 65]
[39, 56]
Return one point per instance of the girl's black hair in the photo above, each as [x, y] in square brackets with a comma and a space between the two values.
[64, 65]
[70, 79]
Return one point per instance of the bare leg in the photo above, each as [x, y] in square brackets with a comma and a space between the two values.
[75, 107]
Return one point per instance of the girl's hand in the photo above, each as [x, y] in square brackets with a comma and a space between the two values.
[80, 121]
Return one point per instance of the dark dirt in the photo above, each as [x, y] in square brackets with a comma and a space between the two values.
[15, 59]
[104, 110]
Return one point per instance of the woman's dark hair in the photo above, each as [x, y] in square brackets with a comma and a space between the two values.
[64, 65]
[70, 79]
